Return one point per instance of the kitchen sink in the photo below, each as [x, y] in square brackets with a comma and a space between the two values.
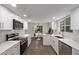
[59, 37]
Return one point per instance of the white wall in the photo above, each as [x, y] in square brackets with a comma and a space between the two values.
[45, 27]
[74, 26]
[6, 18]
[75, 34]
[75, 19]
[31, 28]
[4, 32]
[72, 36]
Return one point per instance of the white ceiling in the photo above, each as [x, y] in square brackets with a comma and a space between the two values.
[42, 12]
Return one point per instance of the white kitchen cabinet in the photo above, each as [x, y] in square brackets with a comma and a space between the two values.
[29, 40]
[75, 51]
[54, 44]
[6, 19]
[13, 50]
[75, 19]
[46, 40]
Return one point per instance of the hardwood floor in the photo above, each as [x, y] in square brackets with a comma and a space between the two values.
[36, 48]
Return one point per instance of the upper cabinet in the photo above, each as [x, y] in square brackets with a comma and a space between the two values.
[6, 19]
[75, 19]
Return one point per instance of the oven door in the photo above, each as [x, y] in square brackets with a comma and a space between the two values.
[23, 45]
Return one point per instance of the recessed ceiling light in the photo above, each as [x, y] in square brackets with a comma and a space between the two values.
[29, 20]
[54, 17]
[25, 15]
[14, 5]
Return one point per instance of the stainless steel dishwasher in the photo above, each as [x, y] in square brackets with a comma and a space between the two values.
[64, 49]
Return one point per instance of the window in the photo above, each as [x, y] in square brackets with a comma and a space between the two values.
[65, 25]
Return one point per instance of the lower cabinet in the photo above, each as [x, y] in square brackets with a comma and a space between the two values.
[64, 49]
[29, 41]
[46, 40]
[54, 44]
[14, 50]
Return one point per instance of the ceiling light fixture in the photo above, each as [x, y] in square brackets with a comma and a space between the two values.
[24, 15]
[14, 5]
[54, 17]
[29, 20]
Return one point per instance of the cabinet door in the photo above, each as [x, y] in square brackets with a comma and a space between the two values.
[6, 19]
[29, 40]
[56, 46]
[53, 44]
[44, 43]
[46, 40]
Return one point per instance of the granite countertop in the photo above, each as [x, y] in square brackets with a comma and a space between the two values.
[72, 43]
[6, 45]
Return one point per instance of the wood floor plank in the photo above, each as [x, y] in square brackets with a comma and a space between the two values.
[37, 48]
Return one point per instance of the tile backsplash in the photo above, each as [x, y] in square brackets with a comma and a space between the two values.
[4, 32]
[68, 35]
[73, 36]
[76, 35]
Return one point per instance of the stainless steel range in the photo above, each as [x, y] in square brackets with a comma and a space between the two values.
[14, 37]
